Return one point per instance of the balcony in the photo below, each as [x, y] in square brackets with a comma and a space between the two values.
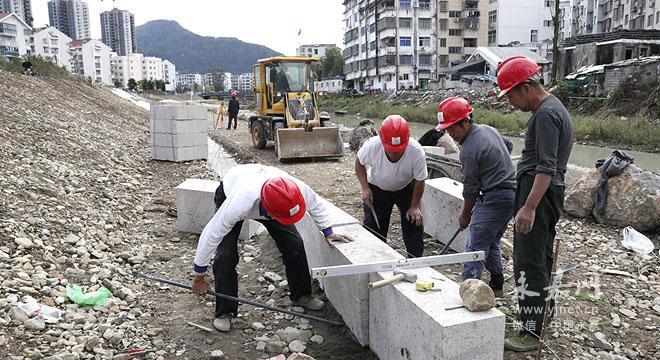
[386, 34]
[390, 50]
[8, 30]
[6, 50]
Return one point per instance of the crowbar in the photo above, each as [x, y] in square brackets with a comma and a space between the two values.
[370, 204]
[240, 300]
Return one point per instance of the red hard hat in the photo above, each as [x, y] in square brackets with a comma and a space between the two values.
[451, 111]
[282, 200]
[234, 93]
[394, 133]
[514, 71]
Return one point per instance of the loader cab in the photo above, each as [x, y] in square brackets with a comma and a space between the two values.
[281, 78]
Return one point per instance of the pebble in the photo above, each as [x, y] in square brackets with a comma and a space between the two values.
[24, 242]
[628, 313]
[297, 346]
[257, 326]
[600, 341]
[272, 277]
[318, 339]
[217, 354]
[34, 324]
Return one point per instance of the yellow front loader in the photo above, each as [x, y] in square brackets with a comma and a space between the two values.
[287, 112]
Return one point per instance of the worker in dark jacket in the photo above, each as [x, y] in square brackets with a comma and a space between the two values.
[539, 192]
[489, 182]
[233, 108]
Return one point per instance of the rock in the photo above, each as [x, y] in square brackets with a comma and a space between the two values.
[580, 190]
[104, 274]
[299, 356]
[35, 324]
[257, 326]
[297, 346]
[633, 199]
[92, 342]
[261, 345]
[290, 334]
[361, 134]
[272, 277]
[18, 315]
[318, 339]
[616, 320]
[476, 295]
[448, 144]
[275, 347]
[628, 313]
[217, 354]
[24, 242]
[600, 341]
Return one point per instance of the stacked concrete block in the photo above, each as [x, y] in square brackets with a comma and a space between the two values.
[195, 208]
[381, 318]
[441, 205]
[178, 132]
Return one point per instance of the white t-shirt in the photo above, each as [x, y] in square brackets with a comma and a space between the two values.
[391, 176]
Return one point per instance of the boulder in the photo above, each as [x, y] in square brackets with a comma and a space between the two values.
[476, 295]
[446, 142]
[361, 134]
[580, 195]
[633, 200]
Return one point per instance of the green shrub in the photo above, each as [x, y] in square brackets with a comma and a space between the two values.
[42, 66]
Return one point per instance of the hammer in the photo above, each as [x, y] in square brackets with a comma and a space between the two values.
[398, 276]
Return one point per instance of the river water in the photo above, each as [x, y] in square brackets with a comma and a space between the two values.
[582, 155]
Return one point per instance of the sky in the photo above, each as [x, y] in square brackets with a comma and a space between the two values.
[274, 24]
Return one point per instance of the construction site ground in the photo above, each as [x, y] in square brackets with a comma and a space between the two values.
[81, 198]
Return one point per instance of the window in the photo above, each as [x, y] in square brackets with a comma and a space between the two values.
[424, 4]
[534, 36]
[363, 30]
[657, 17]
[549, 3]
[470, 42]
[424, 41]
[364, 48]
[425, 59]
[372, 46]
[492, 17]
[424, 23]
[455, 49]
[455, 32]
[443, 24]
[404, 4]
[626, 20]
[443, 60]
[443, 42]
[492, 37]
[455, 14]
[650, 20]
[405, 59]
[547, 23]
[405, 76]
[404, 41]
[405, 23]
[372, 28]
[443, 6]
[316, 51]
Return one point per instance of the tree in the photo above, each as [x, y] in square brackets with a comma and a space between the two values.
[132, 84]
[555, 42]
[218, 79]
[159, 85]
[332, 64]
[117, 83]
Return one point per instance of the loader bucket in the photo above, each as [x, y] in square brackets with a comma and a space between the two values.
[321, 142]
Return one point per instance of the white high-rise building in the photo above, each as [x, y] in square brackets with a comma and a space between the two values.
[314, 50]
[227, 81]
[582, 17]
[462, 27]
[152, 68]
[22, 8]
[91, 59]
[52, 44]
[118, 31]
[126, 67]
[246, 82]
[70, 17]
[169, 72]
[519, 21]
[189, 80]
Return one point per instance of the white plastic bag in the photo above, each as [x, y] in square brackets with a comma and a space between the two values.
[636, 241]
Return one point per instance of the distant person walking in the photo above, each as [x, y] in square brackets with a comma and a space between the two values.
[234, 106]
[221, 116]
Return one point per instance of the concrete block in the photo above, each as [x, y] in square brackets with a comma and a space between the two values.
[180, 140]
[434, 150]
[179, 154]
[441, 204]
[438, 333]
[169, 111]
[179, 126]
[195, 208]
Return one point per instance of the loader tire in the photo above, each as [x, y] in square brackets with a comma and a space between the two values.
[258, 134]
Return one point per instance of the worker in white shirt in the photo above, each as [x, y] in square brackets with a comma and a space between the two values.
[397, 170]
[275, 199]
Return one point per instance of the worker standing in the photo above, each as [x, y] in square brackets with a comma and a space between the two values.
[539, 193]
[234, 106]
[275, 199]
[489, 183]
[397, 170]
[221, 115]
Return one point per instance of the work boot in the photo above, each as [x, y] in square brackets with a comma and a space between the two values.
[521, 343]
[222, 323]
[497, 284]
[308, 302]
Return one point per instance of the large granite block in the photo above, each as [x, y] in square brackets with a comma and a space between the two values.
[179, 153]
[441, 204]
[179, 140]
[174, 111]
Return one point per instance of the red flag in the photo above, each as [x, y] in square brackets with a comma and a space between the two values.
[299, 31]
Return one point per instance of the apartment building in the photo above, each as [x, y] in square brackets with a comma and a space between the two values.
[126, 67]
[22, 8]
[519, 21]
[188, 80]
[234, 81]
[390, 44]
[246, 82]
[14, 32]
[462, 27]
[118, 31]
[52, 44]
[583, 17]
[314, 50]
[169, 72]
[70, 17]
[152, 68]
[91, 59]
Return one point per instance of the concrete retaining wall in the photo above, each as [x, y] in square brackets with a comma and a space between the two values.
[441, 204]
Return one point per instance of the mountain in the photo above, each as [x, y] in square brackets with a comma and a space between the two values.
[190, 52]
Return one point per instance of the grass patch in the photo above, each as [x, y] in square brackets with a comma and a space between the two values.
[42, 66]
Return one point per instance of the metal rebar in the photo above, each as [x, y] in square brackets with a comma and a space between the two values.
[241, 300]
